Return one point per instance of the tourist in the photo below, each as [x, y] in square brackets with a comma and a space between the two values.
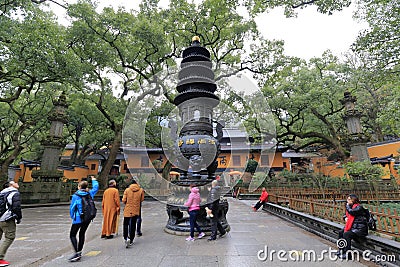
[10, 218]
[75, 211]
[139, 220]
[110, 207]
[356, 225]
[262, 200]
[133, 197]
[213, 205]
[193, 204]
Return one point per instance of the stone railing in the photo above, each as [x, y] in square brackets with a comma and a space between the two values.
[381, 248]
[388, 222]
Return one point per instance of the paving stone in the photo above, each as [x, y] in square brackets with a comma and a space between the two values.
[43, 240]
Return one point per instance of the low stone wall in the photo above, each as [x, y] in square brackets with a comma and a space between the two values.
[329, 230]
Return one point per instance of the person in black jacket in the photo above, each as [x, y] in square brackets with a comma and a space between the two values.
[356, 225]
[12, 216]
[213, 205]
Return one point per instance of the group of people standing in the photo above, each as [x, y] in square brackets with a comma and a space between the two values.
[356, 222]
[132, 198]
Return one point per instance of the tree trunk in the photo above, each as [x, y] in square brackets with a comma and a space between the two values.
[4, 167]
[166, 170]
[103, 176]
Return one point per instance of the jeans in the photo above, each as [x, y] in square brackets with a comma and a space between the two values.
[81, 227]
[130, 227]
[8, 228]
[193, 223]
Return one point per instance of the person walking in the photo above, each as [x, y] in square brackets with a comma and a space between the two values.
[356, 225]
[139, 219]
[263, 199]
[111, 208]
[10, 218]
[213, 205]
[133, 197]
[139, 222]
[193, 204]
[75, 211]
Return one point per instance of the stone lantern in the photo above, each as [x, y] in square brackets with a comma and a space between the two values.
[198, 149]
[357, 139]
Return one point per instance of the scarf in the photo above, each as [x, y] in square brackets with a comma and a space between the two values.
[350, 219]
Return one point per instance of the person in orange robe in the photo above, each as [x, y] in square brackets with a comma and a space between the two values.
[111, 208]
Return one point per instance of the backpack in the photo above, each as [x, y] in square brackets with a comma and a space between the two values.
[371, 221]
[3, 203]
[88, 208]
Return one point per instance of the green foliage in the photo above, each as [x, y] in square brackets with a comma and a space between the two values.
[364, 170]
[382, 40]
[305, 100]
[251, 166]
[323, 6]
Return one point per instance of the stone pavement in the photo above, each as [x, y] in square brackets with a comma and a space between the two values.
[43, 240]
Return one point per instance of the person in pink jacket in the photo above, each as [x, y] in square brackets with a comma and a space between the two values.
[193, 204]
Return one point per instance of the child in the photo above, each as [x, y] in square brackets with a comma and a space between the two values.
[193, 203]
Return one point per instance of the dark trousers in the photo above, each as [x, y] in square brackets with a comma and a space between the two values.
[129, 227]
[348, 236]
[139, 222]
[216, 224]
[139, 225]
[193, 223]
[81, 227]
[258, 205]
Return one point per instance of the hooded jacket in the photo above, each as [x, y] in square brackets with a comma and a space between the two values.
[194, 199]
[13, 204]
[133, 197]
[75, 208]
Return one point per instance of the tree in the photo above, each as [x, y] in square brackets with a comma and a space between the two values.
[86, 127]
[323, 6]
[382, 40]
[130, 46]
[34, 64]
[304, 99]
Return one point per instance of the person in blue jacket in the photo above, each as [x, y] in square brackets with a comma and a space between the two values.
[75, 209]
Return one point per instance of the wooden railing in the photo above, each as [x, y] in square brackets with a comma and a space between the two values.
[326, 195]
[388, 220]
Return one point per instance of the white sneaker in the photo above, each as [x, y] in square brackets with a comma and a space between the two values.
[190, 238]
[201, 235]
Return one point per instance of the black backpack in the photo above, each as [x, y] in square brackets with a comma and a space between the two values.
[371, 221]
[3, 203]
[88, 208]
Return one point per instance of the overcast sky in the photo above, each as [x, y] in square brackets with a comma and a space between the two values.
[311, 33]
[306, 36]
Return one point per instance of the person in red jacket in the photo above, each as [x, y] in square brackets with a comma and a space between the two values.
[263, 199]
[356, 226]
